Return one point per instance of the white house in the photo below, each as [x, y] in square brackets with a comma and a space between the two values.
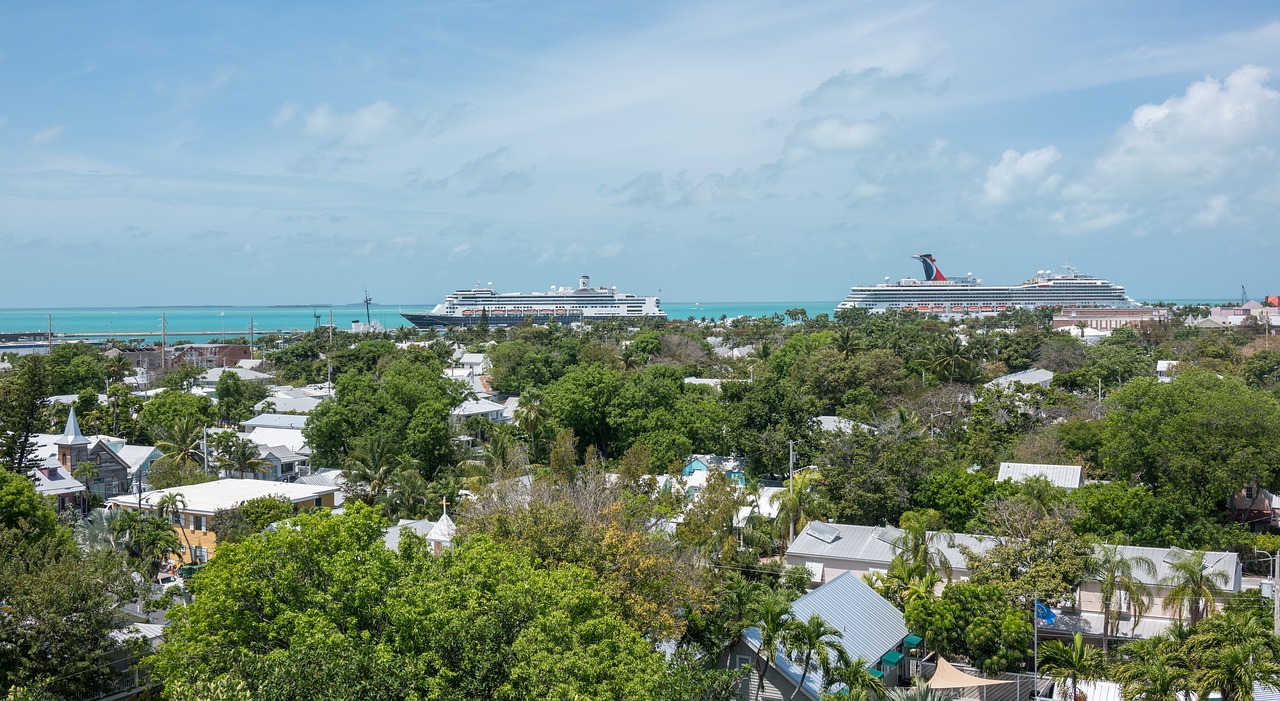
[1067, 477]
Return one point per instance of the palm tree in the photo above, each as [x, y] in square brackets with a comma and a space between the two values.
[772, 617]
[95, 530]
[179, 442]
[241, 456]
[87, 472]
[170, 505]
[1072, 663]
[146, 537]
[855, 675]
[531, 416]
[1155, 669]
[738, 598]
[117, 368]
[800, 503]
[803, 641]
[923, 550]
[847, 342]
[1193, 588]
[919, 692]
[1115, 575]
[371, 466]
[407, 496]
[948, 357]
[1233, 651]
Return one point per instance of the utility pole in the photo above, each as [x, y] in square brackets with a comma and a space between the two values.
[251, 335]
[791, 483]
[163, 347]
[1275, 596]
[49, 334]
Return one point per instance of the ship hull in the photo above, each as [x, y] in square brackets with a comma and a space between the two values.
[426, 320]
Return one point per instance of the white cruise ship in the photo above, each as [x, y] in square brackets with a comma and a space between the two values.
[936, 294]
[564, 305]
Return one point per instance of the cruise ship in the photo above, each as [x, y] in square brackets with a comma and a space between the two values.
[963, 296]
[564, 305]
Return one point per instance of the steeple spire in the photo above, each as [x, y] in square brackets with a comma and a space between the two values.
[71, 435]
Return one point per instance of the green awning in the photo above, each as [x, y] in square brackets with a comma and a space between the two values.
[892, 657]
[876, 673]
[912, 640]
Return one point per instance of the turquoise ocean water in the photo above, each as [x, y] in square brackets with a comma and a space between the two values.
[144, 322]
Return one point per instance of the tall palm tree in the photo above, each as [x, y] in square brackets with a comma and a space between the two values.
[531, 416]
[772, 616]
[737, 598]
[170, 505]
[806, 640]
[1155, 669]
[117, 368]
[241, 456]
[1072, 663]
[798, 504]
[371, 466]
[1115, 574]
[1193, 588]
[923, 550]
[407, 496]
[847, 342]
[179, 442]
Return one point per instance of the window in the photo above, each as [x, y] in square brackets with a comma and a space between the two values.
[177, 519]
[319, 502]
[198, 523]
[201, 554]
[1248, 492]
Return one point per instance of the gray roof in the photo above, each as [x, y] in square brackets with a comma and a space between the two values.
[1064, 476]
[392, 537]
[300, 404]
[136, 455]
[869, 624]
[473, 407]
[874, 546]
[71, 434]
[1034, 376]
[275, 421]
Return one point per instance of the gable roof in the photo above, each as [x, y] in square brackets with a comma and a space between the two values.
[870, 626]
[275, 421]
[1064, 476]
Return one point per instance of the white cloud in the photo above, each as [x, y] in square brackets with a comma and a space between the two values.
[1214, 129]
[285, 114]
[1215, 212]
[378, 123]
[830, 134]
[46, 136]
[1018, 173]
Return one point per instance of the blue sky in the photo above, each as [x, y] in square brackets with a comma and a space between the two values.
[273, 153]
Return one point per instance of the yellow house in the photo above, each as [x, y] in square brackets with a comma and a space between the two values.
[202, 500]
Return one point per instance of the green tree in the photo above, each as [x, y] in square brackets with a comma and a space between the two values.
[240, 456]
[1194, 588]
[1195, 440]
[1233, 652]
[810, 644]
[236, 397]
[23, 393]
[531, 416]
[149, 538]
[1071, 664]
[165, 409]
[170, 506]
[976, 621]
[773, 619]
[182, 447]
[1118, 574]
[801, 502]
[371, 467]
[241, 521]
[1156, 669]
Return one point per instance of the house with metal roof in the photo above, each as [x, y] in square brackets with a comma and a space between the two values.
[1066, 477]
[871, 628]
[274, 421]
[831, 550]
[1033, 376]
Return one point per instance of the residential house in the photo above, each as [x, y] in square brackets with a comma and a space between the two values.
[1165, 370]
[328, 477]
[871, 629]
[210, 355]
[288, 405]
[475, 362]
[1068, 477]
[830, 550]
[1255, 506]
[209, 379]
[482, 408]
[1033, 376]
[289, 421]
[203, 500]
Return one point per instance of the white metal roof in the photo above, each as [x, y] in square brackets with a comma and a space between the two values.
[275, 421]
[208, 497]
[1064, 476]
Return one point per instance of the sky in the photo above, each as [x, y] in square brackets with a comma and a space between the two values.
[293, 153]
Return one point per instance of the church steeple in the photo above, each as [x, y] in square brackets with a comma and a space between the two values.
[73, 447]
